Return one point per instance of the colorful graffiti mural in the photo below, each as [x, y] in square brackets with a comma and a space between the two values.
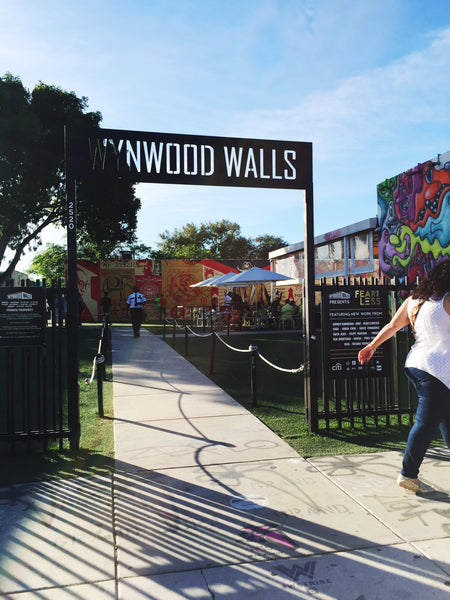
[414, 217]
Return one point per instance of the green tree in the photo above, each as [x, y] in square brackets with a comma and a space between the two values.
[221, 239]
[49, 264]
[32, 185]
[264, 244]
[217, 240]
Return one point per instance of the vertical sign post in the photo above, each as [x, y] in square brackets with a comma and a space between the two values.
[310, 372]
[73, 392]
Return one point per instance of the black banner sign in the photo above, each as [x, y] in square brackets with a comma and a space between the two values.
[185, 159]
[22, 316]
[352, 316]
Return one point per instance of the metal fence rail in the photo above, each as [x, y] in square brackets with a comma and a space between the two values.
[33, 386]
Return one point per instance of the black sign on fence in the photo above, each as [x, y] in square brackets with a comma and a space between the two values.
[22, 316]
[352, 316]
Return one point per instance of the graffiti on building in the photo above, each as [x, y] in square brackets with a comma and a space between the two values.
[414, 217]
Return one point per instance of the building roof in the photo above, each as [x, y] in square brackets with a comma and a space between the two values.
[365, 225]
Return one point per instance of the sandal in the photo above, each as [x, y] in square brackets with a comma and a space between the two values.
[413, 485]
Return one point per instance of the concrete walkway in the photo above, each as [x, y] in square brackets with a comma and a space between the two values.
[207, 503]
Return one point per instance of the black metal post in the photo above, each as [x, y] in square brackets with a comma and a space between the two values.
[310, 373]
[100, 361]
[73, 315]
[254, 350]
[213, 353]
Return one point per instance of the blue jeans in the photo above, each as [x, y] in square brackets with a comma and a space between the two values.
[433, 410]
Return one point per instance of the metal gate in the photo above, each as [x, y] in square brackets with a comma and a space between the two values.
[380, 394]
[33, 381]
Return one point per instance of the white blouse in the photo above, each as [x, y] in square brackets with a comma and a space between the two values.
[431, 350]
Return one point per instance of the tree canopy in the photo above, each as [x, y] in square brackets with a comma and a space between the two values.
[216, 240]
[50, 263]
[32, 184]
[219, 240]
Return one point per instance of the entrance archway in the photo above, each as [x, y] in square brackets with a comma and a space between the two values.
[141, 157]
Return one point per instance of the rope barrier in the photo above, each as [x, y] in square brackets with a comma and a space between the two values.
[97, 360]
[231, 347]
[171, 321]
[200, 335]
[298, 370]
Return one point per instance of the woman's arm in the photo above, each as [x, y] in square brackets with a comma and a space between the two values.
[398, 321]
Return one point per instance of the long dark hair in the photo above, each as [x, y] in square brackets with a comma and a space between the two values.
[436, 284]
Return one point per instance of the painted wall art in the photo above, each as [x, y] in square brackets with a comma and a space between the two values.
[414, 218]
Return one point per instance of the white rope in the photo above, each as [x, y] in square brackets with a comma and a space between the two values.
[298, 370]
[231, 347]
[95, 362]
[171, 321]
[200, 335]
[89, 381]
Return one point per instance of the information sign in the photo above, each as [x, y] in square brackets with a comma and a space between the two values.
[22, 316]
[352, 316]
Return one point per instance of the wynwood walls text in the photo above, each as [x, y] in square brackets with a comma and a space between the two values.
[170, 158]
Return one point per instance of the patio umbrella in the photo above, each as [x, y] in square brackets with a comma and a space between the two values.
[218, 280]
[207, 282]
[249, 277]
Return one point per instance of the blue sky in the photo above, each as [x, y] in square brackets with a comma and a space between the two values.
[365, 81]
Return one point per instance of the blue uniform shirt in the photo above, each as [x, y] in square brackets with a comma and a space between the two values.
[136, 300]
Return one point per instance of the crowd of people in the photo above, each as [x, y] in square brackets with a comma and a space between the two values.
[276, 313]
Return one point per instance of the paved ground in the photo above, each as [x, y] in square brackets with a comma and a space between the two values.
[207, 503]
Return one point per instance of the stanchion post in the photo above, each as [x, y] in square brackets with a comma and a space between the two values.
[254, 350]
[164, 329]
[213, 353]
[173, 333]
[99, 362]
[186, 338]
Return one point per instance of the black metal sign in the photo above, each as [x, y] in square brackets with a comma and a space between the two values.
[22, 316]
[352, 316]
[188, 159]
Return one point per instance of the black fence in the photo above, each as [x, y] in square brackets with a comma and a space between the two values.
[33, 375]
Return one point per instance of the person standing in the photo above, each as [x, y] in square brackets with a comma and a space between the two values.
[105, 303]
[136, 302]
[227, 300]
[162, 307]
[427, 366]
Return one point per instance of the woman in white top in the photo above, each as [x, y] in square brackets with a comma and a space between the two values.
[427, 366]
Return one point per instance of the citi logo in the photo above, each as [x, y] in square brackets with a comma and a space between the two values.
[337, 367]
[297, 571]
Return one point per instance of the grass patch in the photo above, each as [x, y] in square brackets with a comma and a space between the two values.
[96, 453]
[280, 395]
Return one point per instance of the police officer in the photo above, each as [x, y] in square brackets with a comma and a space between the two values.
[136, 302]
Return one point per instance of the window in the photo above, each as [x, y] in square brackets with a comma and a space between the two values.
[331, 259]
[361, 253]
